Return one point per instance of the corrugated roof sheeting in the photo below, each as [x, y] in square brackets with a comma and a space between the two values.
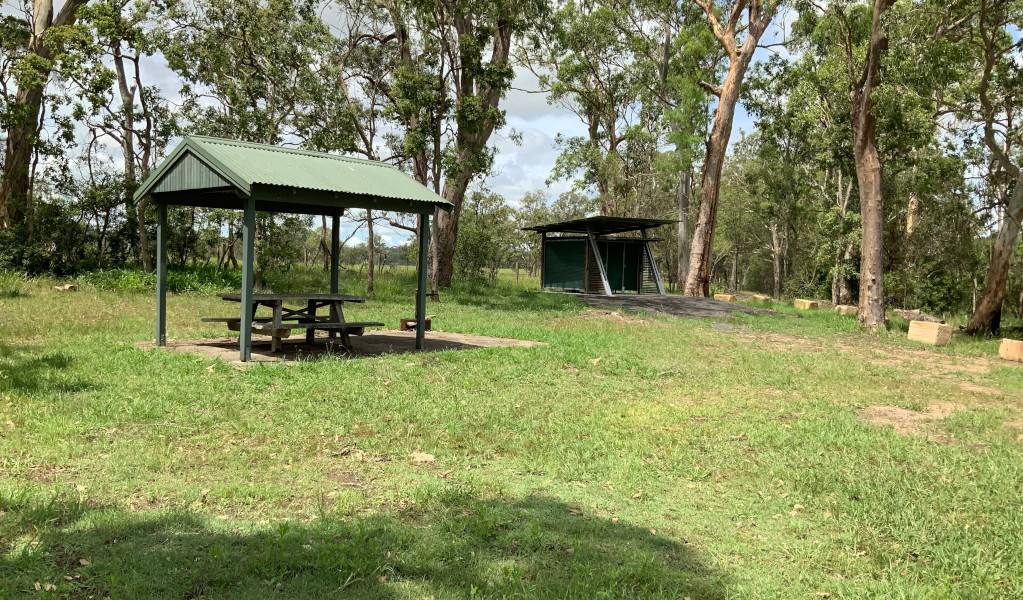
[271, 165]
[201, 162]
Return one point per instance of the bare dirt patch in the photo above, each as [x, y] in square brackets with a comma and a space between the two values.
[907, 421]
[980, 389]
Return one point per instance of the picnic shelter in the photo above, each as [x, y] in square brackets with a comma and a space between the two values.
[210, 172]
[600, 255]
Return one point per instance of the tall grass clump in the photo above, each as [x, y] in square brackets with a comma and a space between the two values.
[198, 279]
[11, 284]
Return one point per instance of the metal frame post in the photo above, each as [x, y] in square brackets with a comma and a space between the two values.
[543, 259]
[653, 266]
[248, 258]
[161, 274]
[424, 251]
[600, 261]
[335, 250]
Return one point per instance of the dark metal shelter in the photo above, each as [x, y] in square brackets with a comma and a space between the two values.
[220, 173]
[593, 255]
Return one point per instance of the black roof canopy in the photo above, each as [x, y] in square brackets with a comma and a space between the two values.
[600, 225]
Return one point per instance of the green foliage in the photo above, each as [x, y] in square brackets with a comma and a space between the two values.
[486, 237]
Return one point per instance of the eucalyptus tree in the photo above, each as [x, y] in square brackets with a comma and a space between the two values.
[737, 27]
[113, 100]
[997, 47]
[44, 50]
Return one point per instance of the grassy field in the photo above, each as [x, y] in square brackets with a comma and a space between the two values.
[783, 456]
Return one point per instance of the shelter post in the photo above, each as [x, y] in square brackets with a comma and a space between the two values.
[335, 250]
[335, 260]
[424, 251]
[248, 258]
[161, 274]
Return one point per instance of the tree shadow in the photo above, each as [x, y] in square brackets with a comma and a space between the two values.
[31, 373]
[538, 547]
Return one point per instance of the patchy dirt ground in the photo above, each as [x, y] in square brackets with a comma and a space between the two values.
[907, 421]
[917, 364]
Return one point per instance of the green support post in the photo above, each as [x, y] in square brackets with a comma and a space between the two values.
[248, 260]
[161, 274]
[424, 251]
[335, 250]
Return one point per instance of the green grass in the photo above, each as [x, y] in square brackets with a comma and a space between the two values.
[640, 457]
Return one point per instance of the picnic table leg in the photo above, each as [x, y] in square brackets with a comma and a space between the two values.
[310, 333]
[339, 317]
[275, 339]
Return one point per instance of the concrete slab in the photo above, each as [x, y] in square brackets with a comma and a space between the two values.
[373, 343]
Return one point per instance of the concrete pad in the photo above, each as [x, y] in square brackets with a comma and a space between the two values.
[372, 343]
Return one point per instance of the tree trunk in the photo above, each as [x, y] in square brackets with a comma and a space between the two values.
[776, 259]
[683, 226]
[698, 278]
[988, 314]
[21, 132]
[739, 57]
[869, 177]
[324, 246]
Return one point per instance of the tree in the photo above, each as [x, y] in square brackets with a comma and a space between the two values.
[115, 102]
[998, 94]
[738, 41]
[869, 173]
[34, 73]
[468, 29]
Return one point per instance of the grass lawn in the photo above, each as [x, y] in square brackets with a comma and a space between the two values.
[785, 456]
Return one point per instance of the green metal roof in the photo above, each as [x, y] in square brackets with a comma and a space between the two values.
[600, 225]
[207, 165]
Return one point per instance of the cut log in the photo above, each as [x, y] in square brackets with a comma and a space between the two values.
[847, 309]
[761, 297]
[806, 304]
[67, 287]
[726, 297]
[1011, 350]
[937, 334]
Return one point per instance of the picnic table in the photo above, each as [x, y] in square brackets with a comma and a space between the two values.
[284, 319]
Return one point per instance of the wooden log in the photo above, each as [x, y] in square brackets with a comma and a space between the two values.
[67, 287]
[847, 309]
[806, 304]
[761, 297]
[1011, 350]
[937, 334]
[726, 297]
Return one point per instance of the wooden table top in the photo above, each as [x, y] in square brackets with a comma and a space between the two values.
[282, 297]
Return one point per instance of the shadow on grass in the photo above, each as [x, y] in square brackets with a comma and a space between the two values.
[535, 548]
[29, 373]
